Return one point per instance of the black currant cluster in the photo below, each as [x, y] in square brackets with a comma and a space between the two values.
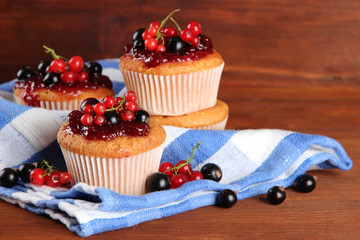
[9, 177]
[304, 183]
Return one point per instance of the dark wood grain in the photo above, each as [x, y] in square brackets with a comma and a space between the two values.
[291, 65]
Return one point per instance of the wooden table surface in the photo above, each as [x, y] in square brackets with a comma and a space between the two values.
[292, 66]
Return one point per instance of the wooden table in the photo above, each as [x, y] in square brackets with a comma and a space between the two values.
[288, 66]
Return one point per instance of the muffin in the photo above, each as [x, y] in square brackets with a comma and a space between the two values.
[173, 72]
[213, 118]
[58, 85]
[117, 150]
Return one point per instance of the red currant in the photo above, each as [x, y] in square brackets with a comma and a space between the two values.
[68, 76]
[177, 180]
[195, 41]
[186, 35]
[57, 66]
[76, 63]
[150, 44]
[88, 109]
[132, 106]
[145, 35]
[166, 167]
[53, 180]
[86, 119]
[155, 24]
[127, 115]
[160, 48]
[194, 27]
[108, 101]
[82, 76]
[152, 31]
[130, 96]
[170, 32]
[99, 120]
[65, 177]
[186, 169]
[99, 108]
[118, 99]
[37, 176]
[195, 175]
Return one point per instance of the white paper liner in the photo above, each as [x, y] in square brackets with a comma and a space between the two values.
[52, 105]
[173, 95]
[123, 175]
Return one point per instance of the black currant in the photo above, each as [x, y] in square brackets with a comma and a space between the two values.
[142, 116]
[51, 78]
[305, 183]
[276, 195]
[157, 181]
[24, 171]
[8, 177]
[139, 44]
[175, 44]
[88, 101]
[226, 198]
[211, 171]
[112, 117]
[25, 73]
[95, 67]
[43, 66]
[138, 35]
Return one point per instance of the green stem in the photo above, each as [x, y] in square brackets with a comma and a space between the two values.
[177, 25]
[53, 54]
[117, 107]
[190, 157]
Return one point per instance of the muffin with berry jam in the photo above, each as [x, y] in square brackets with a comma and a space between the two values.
[61, 84]
[174, 71]
[112, 144]
[213, 118]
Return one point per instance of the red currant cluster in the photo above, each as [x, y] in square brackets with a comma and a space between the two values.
[38, 174]
[157, 35]
[170, 176]
[110, 109]
[71, 70]
[46, 174]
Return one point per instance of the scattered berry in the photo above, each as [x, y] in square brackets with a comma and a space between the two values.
[177, 180]
[157, 182]
[68, 76]
[211, 171]
[226, 198]
[24, 171]
[170, 32]
[130, 96]
[65, 178]
[276, 195]
[99, 120]
[184, 167]
[108, 101]
[42, 67]
[53, 179]
[194, 27]
[186, 35]
[88, 109]
[150, 44]
[166, 167]
[132, 106]
[88, 101]
[175, 44]
[8, 177]
[160, 48]
[112, 117]
[37, 176]
[127, 115]
[82, 76]
[51, 78]
[155, 24]
[195, 175]
[138, 34]
[99, 108]
[305, 183]
[95, 67]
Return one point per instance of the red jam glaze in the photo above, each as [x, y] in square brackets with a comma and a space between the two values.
[153, 58]
[106, 131]
[31, 86]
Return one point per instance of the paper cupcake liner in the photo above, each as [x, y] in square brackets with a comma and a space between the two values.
[173, 95]
[52, 105]
[123, 175]
[217, 126]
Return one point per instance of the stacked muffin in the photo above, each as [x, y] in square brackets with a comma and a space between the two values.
[176, 75]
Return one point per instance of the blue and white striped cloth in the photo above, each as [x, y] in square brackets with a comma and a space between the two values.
[252, 161]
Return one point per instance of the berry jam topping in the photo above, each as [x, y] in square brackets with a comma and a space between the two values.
[109, 118]
[159, 44]
[62, 75]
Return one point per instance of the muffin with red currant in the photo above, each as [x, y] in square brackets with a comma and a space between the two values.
[170, 67]
[112, 144]
[61, 84]
[213, 118]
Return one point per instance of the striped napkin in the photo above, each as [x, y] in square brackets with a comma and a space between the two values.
[252, 161]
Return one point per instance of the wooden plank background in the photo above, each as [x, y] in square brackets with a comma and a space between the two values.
[311, 42]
